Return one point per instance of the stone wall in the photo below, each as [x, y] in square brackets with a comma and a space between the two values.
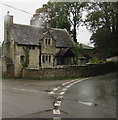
[112, 59]
[70, 71]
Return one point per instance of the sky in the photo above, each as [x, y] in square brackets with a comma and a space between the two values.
[30, 6]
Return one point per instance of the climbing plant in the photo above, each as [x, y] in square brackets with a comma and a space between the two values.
[25, 63]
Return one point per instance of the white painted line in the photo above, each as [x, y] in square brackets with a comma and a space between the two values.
[67, 87]
[25, 90]
[55, 89]
[73, 80]
[64, 89]
[56, 111]
[60, 97]
[56, 118]
[87, 103]
[76, 82]
[61, 93]
[71, 84]
[57, 103]
[33, 90]
[65, 83]
[51, 93]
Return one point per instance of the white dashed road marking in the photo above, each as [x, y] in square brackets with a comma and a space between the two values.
[56, 111]
[26, 90]
[87, 103]
[59, 97]
[66, 83]
[55, 89]
[61, 93]
[51, 93]
[57, 103]
[56, 118]
[64, 89]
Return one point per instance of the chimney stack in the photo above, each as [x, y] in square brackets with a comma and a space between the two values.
[8, 20]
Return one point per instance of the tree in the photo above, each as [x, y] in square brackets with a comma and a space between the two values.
[64, 15]
[102, 21]
[78, 52]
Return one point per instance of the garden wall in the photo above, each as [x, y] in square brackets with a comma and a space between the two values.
[70, 71]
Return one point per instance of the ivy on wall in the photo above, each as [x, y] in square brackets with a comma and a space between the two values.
[25, 63]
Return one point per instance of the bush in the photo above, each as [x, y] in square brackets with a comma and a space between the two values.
[95, 61]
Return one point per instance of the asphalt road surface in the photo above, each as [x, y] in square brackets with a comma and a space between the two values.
[79, 98]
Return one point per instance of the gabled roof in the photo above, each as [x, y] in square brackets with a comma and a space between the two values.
[65, 52]
[31, 35]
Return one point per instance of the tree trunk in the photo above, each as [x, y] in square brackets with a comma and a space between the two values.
[75, 33]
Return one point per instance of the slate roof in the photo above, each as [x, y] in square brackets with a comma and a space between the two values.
[31, 35]
[65, 52]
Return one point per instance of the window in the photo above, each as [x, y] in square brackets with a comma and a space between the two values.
[33, 48]
[47, 41]
[49, 59]
[43, 59]
[22, 58]
[30, 48]
[46, 58]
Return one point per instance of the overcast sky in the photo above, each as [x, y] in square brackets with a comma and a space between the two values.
[24, 18]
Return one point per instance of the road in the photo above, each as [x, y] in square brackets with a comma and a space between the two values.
[79, 98]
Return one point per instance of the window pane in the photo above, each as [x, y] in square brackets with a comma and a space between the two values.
[46, 41]
[46, 58]
[49, 41]
[29, 47]
[22, 58]
[43, 59]
[49, 59]
[33, 47]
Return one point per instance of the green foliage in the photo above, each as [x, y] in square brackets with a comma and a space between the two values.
[78, 51]
[25, 63]
[95, 61]
[64, 15]
[102, 21]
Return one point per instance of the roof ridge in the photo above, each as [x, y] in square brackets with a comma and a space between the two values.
[28, 25]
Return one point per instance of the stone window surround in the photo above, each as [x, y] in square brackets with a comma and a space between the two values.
[47, 40]
[46, 58]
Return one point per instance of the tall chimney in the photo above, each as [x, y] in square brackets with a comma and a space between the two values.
[8, 20]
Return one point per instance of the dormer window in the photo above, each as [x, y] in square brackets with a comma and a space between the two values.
[48, 41]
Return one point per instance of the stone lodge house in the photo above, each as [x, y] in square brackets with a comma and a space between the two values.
[34, 47]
